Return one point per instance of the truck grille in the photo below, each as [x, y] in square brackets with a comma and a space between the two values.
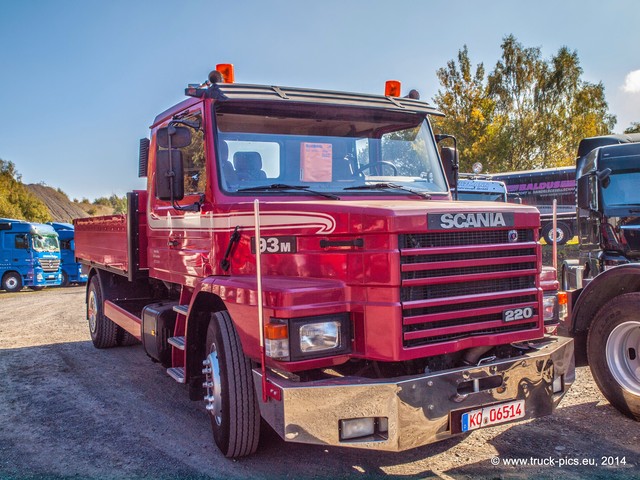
[50, 264]
[458, 284]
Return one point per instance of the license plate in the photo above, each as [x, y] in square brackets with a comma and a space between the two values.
[483, 417]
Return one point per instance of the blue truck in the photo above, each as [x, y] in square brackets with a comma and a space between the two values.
[29, 255]
[71, 270]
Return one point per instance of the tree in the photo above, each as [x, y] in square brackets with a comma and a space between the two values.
[16, 201]
[634, 128]
[467, 106]
[529, 113]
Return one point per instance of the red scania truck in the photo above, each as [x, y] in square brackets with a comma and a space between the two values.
[297, 257]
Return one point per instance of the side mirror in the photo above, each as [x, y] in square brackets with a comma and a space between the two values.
[169, 175]
[603, 176]
[514, 198]
[583, 192]
[173, 137]
[449, 157]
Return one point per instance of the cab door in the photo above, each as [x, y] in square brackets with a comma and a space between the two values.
[179, 240]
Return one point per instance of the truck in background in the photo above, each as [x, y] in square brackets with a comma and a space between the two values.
[604, 282]
[71, 269]
[29, 255]
[480, 189]
[297, 257]
[539, 188]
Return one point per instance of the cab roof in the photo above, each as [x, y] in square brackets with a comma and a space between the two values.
[241, 93]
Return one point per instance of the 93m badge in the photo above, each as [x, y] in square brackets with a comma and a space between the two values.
[275, 244]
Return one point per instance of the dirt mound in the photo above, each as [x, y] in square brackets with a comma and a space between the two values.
[61, 208]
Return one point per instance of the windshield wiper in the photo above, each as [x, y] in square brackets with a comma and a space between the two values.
[383, 186]
[282, 186]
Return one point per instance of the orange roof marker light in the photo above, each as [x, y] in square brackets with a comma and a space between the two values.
[226, 70]
[392, 88]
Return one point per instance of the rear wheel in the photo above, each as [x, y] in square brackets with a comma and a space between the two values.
[563, 233]
[12, 282]
[104, 333]
[613, 348]
[231, 399]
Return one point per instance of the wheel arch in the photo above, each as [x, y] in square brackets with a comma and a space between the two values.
[604, 287]
[204, 304]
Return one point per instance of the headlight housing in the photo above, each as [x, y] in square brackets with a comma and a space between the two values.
[309, 337]
[550, 308]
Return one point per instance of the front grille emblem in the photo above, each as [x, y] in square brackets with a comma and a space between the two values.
[512, 236]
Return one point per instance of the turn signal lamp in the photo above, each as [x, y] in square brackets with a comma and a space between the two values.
[276, 340]
[392, 88]
[562, 298]
[563, 306]
[226, 70]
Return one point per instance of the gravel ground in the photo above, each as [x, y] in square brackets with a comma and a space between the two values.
[70, 410]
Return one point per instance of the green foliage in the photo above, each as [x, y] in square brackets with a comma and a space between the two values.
[634, 128]
[527, 113]
[119, 204]
[16, 201]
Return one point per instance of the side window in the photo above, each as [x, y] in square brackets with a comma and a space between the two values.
[21, 242]
[193, 157]
[65, 244]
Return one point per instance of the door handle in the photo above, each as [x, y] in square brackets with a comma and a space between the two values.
[173, 243]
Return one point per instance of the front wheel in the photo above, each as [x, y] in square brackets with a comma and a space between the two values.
[12, 282]
[231, 398]
[613, 348]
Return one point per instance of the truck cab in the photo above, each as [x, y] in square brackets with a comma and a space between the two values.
[473, 188]
[608, 212]
[71, 269]
[29, 255]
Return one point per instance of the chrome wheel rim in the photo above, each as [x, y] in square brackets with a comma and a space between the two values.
[92, 311]
[213, 385]
[11, 283]
[623, 355]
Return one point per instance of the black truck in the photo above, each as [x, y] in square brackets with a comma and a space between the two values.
[603, 284]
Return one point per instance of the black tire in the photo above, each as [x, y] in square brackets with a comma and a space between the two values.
[65, 279]
[12, 282]
[125, 339]
[232, 403]
[563, 233]
[613, 349]
[104, 333]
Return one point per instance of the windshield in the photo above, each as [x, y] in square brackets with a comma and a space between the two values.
[622, 189]
[326, 150]
[481, 196]
[45, 243]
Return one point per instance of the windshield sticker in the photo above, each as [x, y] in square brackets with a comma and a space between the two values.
[315, 162]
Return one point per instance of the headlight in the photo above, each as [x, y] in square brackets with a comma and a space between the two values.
[308, 337]
[549, 308]
[317, 337]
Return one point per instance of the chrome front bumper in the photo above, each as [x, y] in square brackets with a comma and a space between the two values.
[420, 409]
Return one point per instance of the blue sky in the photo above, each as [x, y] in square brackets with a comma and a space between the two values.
[81, 81]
